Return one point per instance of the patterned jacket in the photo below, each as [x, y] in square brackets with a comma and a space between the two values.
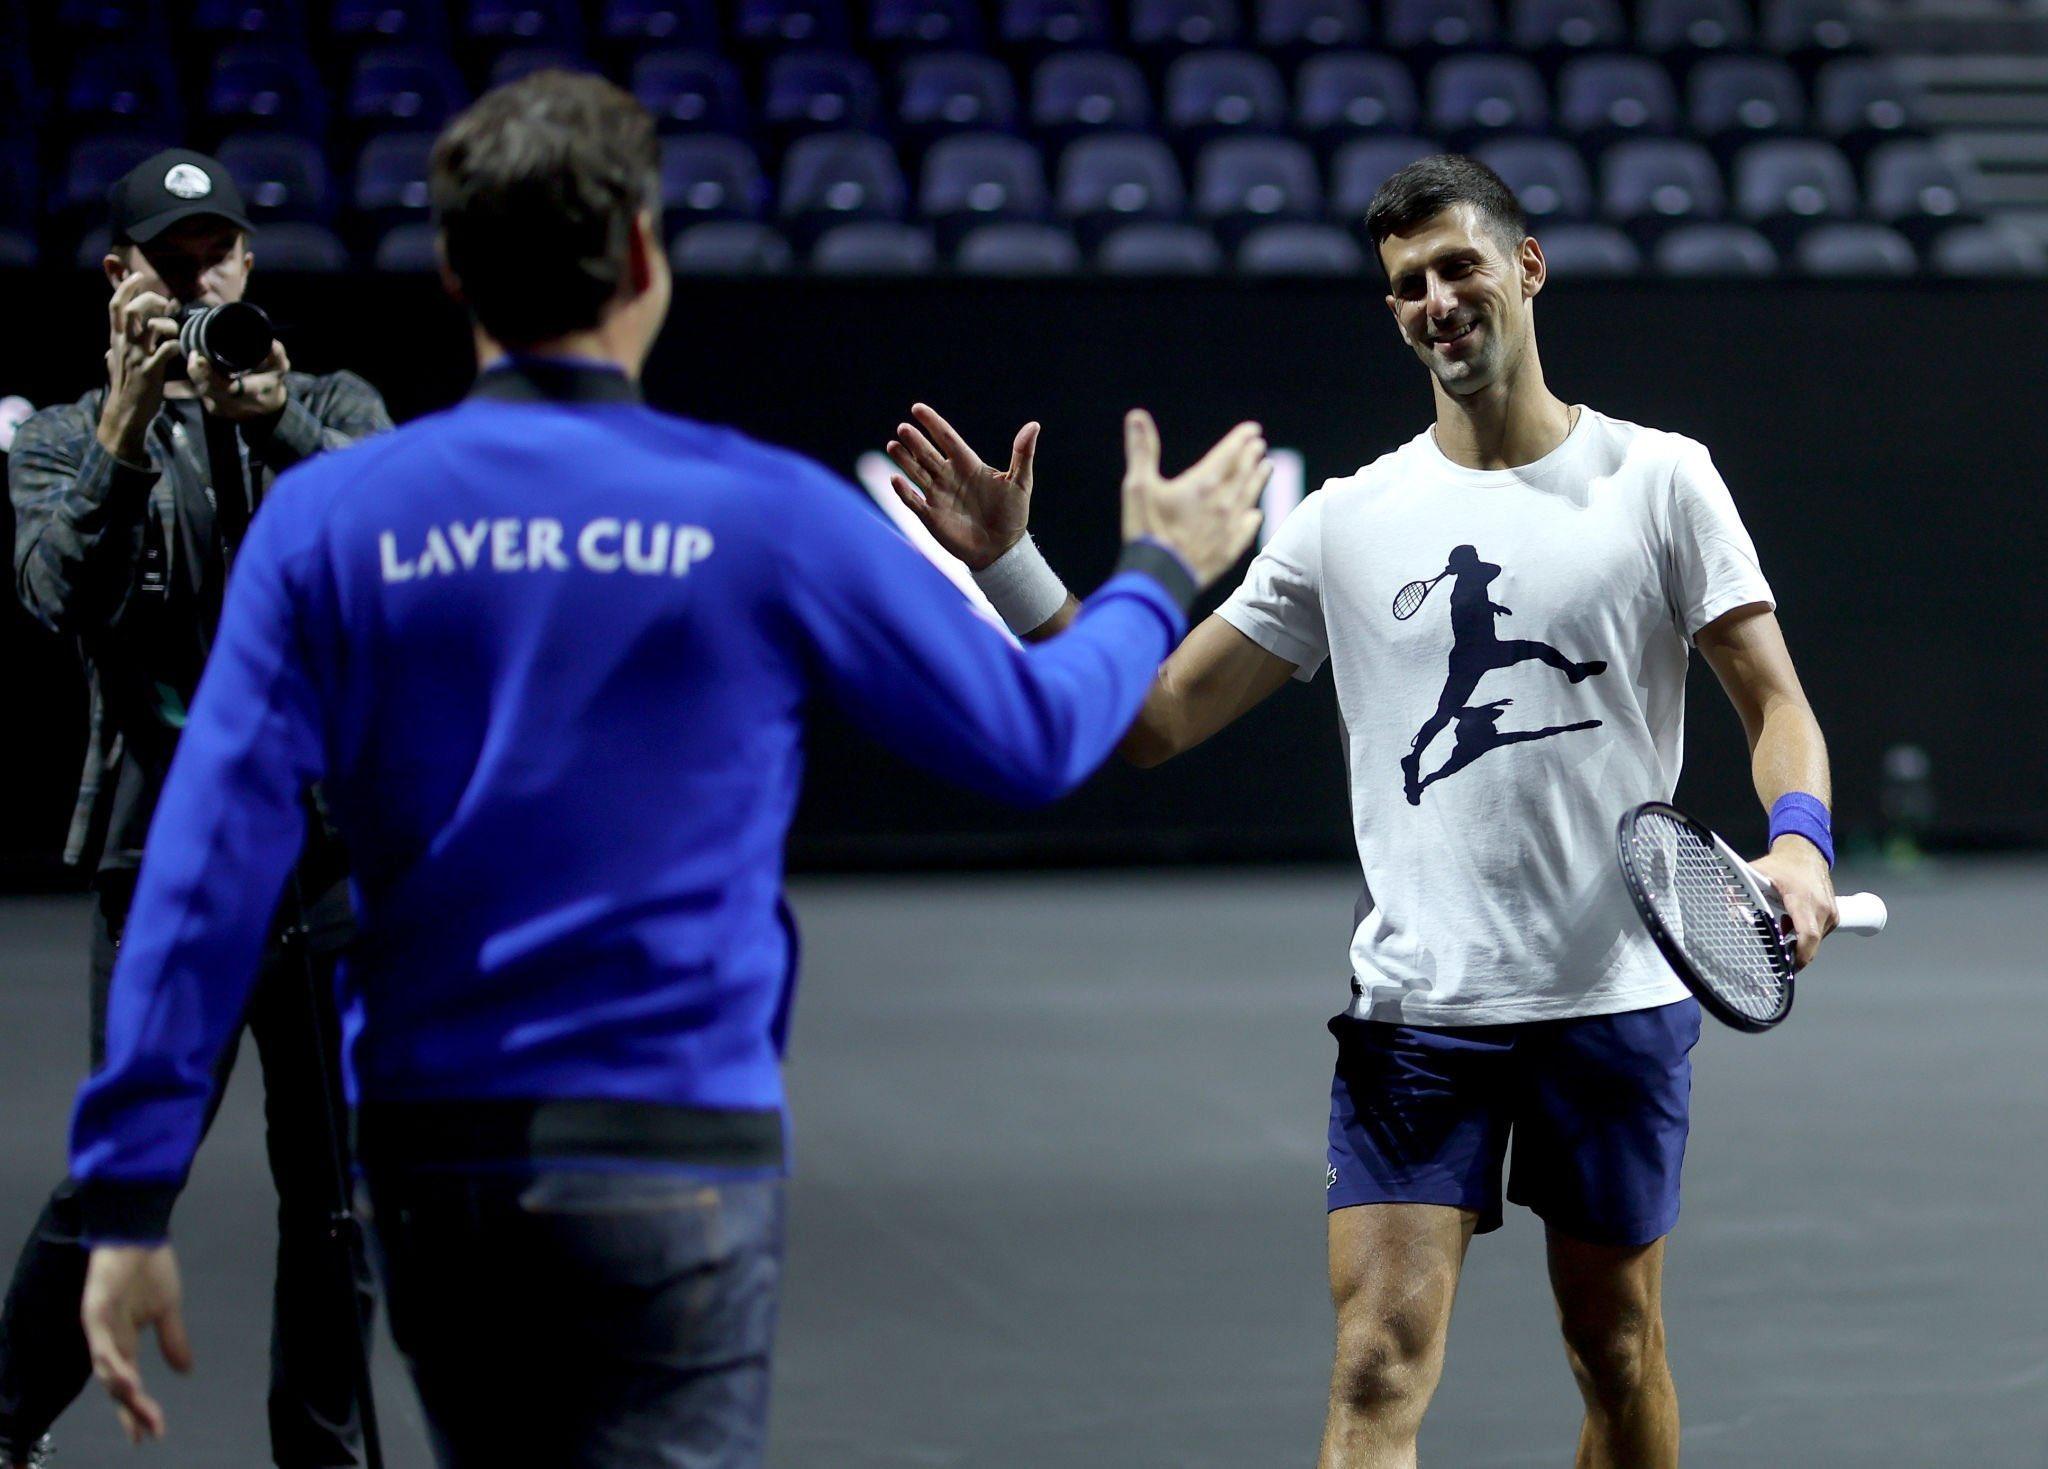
[127, 560]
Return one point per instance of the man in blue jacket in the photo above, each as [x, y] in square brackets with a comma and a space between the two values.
[549, 654]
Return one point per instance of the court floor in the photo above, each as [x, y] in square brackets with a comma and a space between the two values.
[1058, 1199]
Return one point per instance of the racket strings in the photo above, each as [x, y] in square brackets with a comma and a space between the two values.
[1732, 943]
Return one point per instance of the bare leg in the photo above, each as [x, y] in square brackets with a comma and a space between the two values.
[1610, 1302]
[1393, 1275]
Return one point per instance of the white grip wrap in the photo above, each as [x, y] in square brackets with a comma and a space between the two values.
[1023, 589]
[1861, 913]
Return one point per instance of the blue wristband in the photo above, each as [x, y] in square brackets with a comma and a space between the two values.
[1797, 814]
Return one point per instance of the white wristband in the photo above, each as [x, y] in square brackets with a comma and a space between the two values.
[1023, 589]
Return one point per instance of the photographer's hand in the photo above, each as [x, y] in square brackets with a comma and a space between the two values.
[253, 395]
[143, 341]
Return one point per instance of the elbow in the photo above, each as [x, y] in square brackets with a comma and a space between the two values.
[1146, 748]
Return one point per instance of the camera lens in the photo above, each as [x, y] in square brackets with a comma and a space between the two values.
[235, 337]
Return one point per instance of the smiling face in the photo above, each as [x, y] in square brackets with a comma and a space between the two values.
[1462, 296]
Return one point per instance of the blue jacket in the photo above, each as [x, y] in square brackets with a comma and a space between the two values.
[549, 654]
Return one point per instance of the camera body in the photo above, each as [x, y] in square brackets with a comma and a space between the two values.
[234, 336]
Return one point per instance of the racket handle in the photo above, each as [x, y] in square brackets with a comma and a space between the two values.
[1861, 913]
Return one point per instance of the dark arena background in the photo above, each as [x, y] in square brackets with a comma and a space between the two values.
[1060, 1076]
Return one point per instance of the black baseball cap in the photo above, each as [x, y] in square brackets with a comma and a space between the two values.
[175, 184]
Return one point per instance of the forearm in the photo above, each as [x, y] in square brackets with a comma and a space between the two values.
[1788, 754]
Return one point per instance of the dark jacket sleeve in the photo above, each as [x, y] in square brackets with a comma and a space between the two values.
[79, 515]
[320, 413]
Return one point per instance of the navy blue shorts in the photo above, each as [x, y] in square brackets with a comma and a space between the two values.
[1597, 1108]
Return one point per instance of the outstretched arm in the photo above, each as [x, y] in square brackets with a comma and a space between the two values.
[1746, 649]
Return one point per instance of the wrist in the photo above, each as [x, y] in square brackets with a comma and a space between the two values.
[983, 563]
[1022, 587]
[1806, 817]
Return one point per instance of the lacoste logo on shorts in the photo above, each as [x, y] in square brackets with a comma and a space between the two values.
[1330, 1178]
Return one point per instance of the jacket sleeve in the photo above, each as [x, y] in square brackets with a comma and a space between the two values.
[79, 515]
[908, 659]
[333, 412]
[223, 841]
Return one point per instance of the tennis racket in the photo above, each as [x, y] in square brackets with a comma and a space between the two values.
[1410, 597]
[1716, 919]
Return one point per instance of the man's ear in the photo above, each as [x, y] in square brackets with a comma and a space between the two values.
[1535, 269]
[113, 267]
[641, 245]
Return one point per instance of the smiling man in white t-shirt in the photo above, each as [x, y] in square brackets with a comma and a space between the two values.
[1500, 983]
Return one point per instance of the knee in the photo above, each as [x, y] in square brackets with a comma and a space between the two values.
[1614, 1357]
[1385, 1367]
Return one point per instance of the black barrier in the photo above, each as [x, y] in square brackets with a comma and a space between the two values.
[1884, 442]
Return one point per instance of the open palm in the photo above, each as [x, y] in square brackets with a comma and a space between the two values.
[975, 511]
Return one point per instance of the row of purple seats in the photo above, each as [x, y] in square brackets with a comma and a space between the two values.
[1659, 26]
[1203, 93]
[1584, 251]
[1646, 184]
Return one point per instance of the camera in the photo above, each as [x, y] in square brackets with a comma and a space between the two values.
[234, 336]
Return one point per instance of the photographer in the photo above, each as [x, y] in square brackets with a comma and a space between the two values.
[130, 506]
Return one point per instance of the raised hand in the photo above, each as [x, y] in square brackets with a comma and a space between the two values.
[976, 512]
[142, 333]
[1208, 515]
[253, 395]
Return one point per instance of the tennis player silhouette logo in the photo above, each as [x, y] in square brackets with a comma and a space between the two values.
[1475, 652]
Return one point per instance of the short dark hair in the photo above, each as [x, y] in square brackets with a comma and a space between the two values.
[535, 190]
[1429, 186]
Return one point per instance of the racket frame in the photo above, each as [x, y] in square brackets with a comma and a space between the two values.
[1674, 952]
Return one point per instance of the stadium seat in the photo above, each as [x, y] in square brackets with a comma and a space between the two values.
[1814, 28]
[301, 247]
[93, 165]
[1296, 26]
[1858, 100]
[819, 91]
[281, 177]
[1793, 180]
[1692, 25]
[1476, 95]
[1609, 98]
[388, 22]
[1038, 24]
[1919, 185]
[249, 20]
[1564, 27]
[1443, 25]
[687, 24]
[391, 176]
[689, 91]
[948, 91]
[730, 247]
[525, 22]
[1654, 180]
[1241, 183]
[82, 22]
[1017, 250]
[1363, 164]
[1159, 249]
[1170, 25]
[1586, 251]
[1074, 92]
[413, 86]
[1299, 249]
[523, 61]
[1118, 177]
[1984, 250]
[976, 178]
[778, 25]
[1738, 97]
[706, 176]
[408, 249]
[1353, 92]
[875, 247]
[125, 88]
[1547, 175]
[1715, 250]
[1857, 249]
[836, 178]
[267, 85]
[1213, 93]
[928, 24]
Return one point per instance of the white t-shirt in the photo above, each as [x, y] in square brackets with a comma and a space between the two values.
[1491, 888]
